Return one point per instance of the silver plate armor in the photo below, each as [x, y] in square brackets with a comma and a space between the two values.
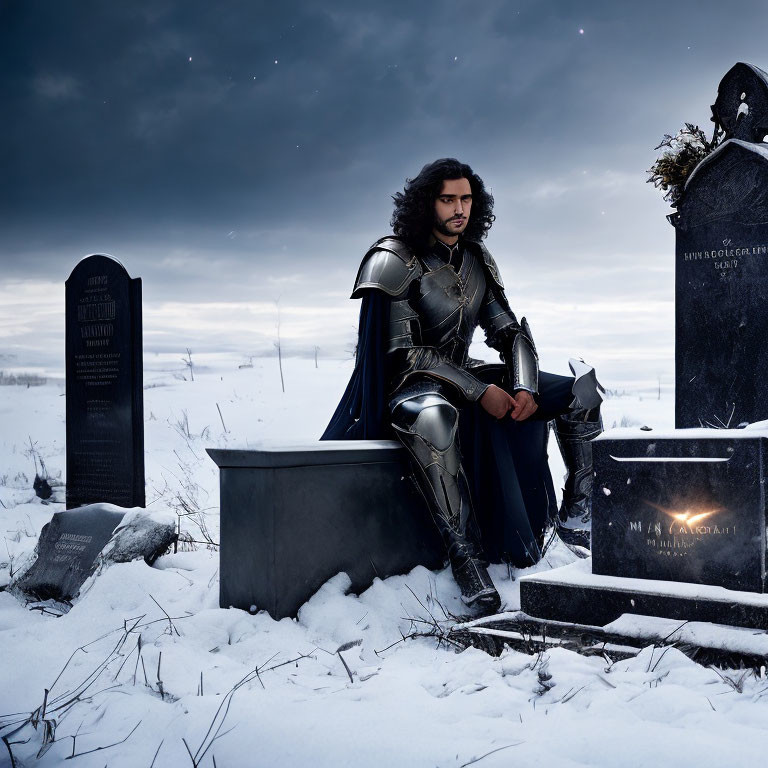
[435, 309]
[427, 424]
[588, 392]
[388, 266]
[525, 360]
[497, 320]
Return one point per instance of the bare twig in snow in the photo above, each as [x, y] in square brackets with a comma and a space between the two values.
[107, 746]
[171, 625]
[346, 647]
[222, 418]
[487, 754]
[157, 752]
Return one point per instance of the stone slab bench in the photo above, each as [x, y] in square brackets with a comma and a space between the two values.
[294, 516]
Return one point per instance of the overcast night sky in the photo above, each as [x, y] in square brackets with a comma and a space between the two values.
[235, 153]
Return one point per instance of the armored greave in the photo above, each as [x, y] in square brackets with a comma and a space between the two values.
[574, 431]
[427, 425]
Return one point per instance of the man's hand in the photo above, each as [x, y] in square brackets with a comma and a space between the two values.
[497, 402]
[524, 406]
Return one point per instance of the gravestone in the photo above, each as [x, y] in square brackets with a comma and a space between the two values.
[105, 413]
[686, 506]
[75, 541]
[721, 275]
[678, 532]
[67, 551]
[679, 519]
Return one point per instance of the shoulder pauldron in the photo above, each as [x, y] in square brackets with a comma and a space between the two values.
[490, 266]
[389, 266]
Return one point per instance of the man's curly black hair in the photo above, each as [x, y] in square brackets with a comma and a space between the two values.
[414, 214]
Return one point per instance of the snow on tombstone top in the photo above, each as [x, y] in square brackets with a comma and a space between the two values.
[105, 421]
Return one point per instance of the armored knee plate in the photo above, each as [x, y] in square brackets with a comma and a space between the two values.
[427, 424]
[588, 392]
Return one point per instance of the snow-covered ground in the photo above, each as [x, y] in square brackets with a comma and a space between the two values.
[151, 661]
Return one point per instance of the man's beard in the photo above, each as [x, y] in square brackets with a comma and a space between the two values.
[441, 225]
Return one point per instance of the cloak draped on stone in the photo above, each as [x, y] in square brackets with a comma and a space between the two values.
[505, 461]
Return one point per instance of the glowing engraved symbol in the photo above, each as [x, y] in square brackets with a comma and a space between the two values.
[686, 518]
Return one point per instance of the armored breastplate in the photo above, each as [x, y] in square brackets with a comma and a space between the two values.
[448, 304]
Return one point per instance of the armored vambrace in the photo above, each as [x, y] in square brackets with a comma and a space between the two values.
[523, 361]
[512, 340]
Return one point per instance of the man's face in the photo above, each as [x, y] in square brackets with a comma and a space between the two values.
[452, 207]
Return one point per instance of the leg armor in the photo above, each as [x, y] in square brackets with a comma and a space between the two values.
[574, 431]
[427, 423]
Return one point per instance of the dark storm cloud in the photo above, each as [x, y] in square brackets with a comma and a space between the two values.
[108, 120]
[165, 133]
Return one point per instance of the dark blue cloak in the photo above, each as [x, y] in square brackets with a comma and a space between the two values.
[505, 461]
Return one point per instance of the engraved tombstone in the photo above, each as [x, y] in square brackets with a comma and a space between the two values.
[688, 506]
[721, 354]
[67, 551]
[105, 422]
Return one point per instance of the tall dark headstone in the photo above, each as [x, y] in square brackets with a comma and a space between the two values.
[105, 412]
[721, 346]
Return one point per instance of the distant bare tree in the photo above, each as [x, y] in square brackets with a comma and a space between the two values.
[316, 351]
[188, 362]
[279, 347]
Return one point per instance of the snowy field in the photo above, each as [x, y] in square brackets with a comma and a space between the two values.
[155, 673]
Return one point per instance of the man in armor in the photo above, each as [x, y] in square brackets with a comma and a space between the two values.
[425, 289]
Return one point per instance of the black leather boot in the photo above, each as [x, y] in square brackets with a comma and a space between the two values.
[461, 539]
[574, 431]
[476, 586]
